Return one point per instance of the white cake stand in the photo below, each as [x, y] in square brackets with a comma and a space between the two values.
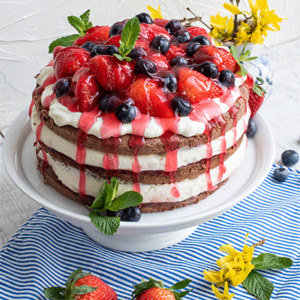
[154, 231]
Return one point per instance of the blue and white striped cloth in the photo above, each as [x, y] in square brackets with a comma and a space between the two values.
[46, 250]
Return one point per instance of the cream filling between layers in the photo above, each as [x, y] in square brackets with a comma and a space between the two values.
[186, 127]
[187, 188]
[151, 162]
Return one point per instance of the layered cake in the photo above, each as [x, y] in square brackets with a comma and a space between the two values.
[169, 121]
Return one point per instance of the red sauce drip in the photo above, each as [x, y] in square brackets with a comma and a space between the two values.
[30, 107]
[208, 129]
[48, 100]
[50, 80]
[233, 114]
[38, 138]
[111, 126]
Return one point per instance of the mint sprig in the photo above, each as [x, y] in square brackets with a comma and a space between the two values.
[245, 56]
[266, 261]
[81, 24]
[106, 200]
[130, 34]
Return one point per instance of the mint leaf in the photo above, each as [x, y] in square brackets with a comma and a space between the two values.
[128, 199]
[107, 225]
[100, 199]
[77, 23]
[54, 293]
[83, 289]
[109, 196]
[120, 57]
[181, 284]
[85, 18]
[65, 41]
[266, 261]
[129, 35]
[258, 286]
[234, 51]
[115, 185]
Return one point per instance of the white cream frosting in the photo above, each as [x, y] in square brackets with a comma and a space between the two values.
[69, 176]
[149, 162]
[62, 116]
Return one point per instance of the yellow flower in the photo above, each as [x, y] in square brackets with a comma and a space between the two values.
[214, 276]
[155, 13]
[255, 7]
[225, 295]
[232, 8]
[222, 27]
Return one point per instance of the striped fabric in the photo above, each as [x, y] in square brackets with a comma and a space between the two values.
[45, 250]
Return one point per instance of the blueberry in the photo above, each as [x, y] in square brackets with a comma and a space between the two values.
[201, 39]
[251, 128]
[120, 213]
[145, 67]
[192, 48]
[281, 174]
[160, 43]
[109, 102]
[178, 60]
[227, 78]
[114, 29]
[110, 50]
[170, 82]
[137, 53]
[88, 46]
[181, 106]
[173, 26]
[144, 18]
[97, 50]
[209, 69]
[61, 87]
[126, 112]
[182, 36]
[289, 157]
[132, 214]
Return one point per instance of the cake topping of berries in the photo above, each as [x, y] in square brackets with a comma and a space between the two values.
[173, 26]
[145, 67]
[181, 36]
[126, 112]
[144, 18]
[61, 87]
[201, 39]
[227, 78]
[161, 44]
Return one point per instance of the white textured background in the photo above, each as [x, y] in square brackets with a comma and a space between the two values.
[27, 27]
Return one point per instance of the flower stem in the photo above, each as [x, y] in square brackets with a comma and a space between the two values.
[198, 18]
[260, 243]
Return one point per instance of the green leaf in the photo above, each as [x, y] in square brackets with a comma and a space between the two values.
[258, 286]
[109, 196]
[54, 293]
[129, 36]
[77, 23]
[234, 51]
[128, 199]
[99, 201]
[85, 17]
[72, 275]
[260, 80]
[258, 90]
[119, 57]
[243, 70]
[107, 225]
[179, 295]
[114, 182]
[249, 58]
[83, 289]
[181, 284]
[65, 41]
[145, 285]
[266, 261]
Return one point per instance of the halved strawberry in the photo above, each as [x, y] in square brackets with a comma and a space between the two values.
[196, 86]
[174, 51]
[150, 99]
[160, 22]
[68, 60]
[95, 34]
[87, 89]
[146, 32]
[160, 60]
[115, 40]
[158, 30]
[229, 62]
[143, 43]
[112, 73]
[194, 31]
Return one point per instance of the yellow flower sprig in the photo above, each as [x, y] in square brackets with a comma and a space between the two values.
[238, 267]
[155, 13]
[252, 29]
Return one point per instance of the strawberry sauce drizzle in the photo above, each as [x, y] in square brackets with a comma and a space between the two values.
[233, 114]
[85, 123]
[38, 138]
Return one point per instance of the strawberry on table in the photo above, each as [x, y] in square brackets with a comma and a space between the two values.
[196, 86]
[155, 290]
[95, 34]
[82, 286]
[112, 73]
[68, 60]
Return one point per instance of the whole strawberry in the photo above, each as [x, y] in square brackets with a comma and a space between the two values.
[256, 97]
[82, 286]
[155, 290]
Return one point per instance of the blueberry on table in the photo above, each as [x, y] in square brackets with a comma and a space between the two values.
[145, 67]
[114, 29]
[227, 78]
[173, 26]
[252, 128]
[192, 48]
[61, 87]
[208, 69]
[144, 18]
[182, 36]
[281, 174]
[201, 39]
[289, 157]
[181, 106]
[137, 53]
[88, 46]
[178, 60]
[160, 43]
[132, 214]
[110, 50]
[97, 50]
[126, 112]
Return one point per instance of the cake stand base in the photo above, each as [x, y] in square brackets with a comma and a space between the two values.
[139, 243]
